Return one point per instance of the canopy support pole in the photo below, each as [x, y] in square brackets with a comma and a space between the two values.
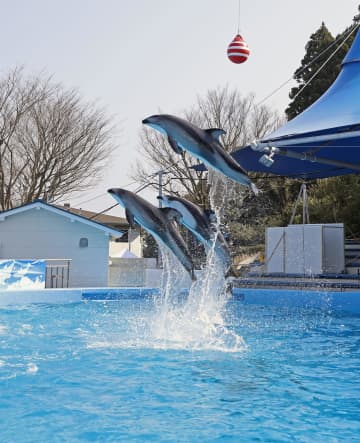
[305, 206]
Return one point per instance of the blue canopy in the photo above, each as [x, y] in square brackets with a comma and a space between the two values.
[322, 141]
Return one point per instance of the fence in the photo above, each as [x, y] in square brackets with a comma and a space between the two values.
[57, 272]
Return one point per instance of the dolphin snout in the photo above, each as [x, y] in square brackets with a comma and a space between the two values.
[153, 119]
[116, 191]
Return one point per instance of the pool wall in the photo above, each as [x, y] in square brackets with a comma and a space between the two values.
[348, 301]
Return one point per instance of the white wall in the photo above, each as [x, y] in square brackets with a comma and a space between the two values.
[127, 271]
[134, 245]
[38, 233]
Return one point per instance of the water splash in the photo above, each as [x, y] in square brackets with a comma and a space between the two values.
[179, 319]
[198, 322]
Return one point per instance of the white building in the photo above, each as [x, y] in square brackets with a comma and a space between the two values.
[39, 230]
[130, 241]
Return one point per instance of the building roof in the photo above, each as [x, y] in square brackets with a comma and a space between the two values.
[40, 204]
[104, 219]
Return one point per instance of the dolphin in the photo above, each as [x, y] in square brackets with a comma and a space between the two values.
[202, 224]
[204, 144]
[159, 222]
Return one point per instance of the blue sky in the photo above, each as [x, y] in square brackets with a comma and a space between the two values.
[136, 56]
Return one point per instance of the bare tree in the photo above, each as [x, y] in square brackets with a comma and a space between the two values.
[239, 116]
[52, 143]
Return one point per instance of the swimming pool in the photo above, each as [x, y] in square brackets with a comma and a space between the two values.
[93, 371]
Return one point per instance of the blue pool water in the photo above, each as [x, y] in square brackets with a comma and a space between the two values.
[96, 372]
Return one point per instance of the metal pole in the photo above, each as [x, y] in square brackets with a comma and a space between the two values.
[304, 202]
[160, 191]
[307, 207]
[160, 187]
[296, 205]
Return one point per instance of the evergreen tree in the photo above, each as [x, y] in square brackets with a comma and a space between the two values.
[318, 43]
[318, 49]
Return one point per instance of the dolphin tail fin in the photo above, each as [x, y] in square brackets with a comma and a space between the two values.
[230, 279]
[254, 189]
[229, 288]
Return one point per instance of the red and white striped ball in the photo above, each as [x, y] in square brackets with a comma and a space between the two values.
[238, 51]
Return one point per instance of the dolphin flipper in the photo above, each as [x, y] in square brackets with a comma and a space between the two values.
[171, 214]
[174, 145]
[130, 219]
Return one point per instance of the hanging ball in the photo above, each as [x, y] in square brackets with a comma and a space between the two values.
[238, 51]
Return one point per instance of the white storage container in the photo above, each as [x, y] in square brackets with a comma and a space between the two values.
[306, 249]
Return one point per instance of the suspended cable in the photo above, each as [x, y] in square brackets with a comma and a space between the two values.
[139, 189]
[101, 195]
[91, 199]
[102, 212]
[325, 63]
[355, 26]
[239, 8]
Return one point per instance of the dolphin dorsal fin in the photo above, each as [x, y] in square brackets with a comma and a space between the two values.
[171, 214]
[173, 143]
[215, 133]
[130, 219]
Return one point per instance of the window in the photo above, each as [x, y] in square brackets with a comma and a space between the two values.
[84, 242]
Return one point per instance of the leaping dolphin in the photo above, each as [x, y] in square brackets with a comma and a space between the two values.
[201, 223]
[159, 222]
[204, 144]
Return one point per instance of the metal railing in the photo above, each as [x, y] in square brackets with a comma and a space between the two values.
[57, 272]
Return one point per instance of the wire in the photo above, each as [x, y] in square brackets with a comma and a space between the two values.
[101, 195]
[103, 212]
[356, 25]
[139, 189]
[325, 63]
[91, 199]
[238, 29]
